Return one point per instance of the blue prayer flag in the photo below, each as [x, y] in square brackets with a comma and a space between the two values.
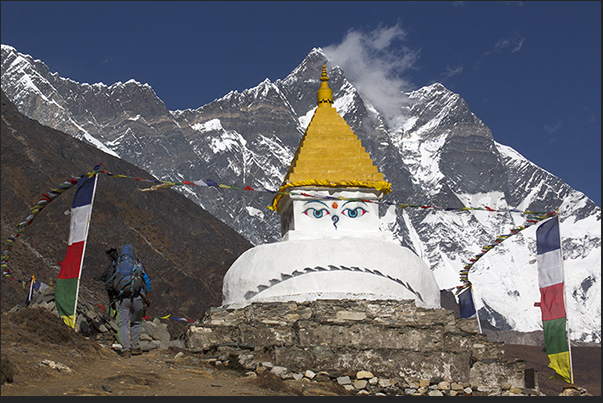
[466, 305]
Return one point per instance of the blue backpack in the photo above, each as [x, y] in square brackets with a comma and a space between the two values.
[128, 278]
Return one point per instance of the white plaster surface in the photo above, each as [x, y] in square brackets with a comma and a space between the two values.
[353, 268]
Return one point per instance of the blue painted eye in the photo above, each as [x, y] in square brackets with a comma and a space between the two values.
[316, 213]
[354, 213]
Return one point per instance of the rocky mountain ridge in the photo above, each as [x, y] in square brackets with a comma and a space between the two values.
[434, 152]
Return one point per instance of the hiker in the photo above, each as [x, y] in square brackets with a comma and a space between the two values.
[132, 287]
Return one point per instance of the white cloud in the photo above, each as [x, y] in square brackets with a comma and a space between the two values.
[451, 72]
[375, 63]
[514, 43]
[553, 128]
[513, 3]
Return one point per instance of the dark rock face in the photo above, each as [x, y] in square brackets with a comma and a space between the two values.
[184, 248]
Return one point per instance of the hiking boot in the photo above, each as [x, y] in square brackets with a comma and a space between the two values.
[125, 354]
[137, 351]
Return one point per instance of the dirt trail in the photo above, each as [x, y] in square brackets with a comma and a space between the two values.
[46, 358]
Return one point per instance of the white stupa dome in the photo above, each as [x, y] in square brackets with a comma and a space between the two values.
[340, 268]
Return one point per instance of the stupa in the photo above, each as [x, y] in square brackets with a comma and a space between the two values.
[331, 245]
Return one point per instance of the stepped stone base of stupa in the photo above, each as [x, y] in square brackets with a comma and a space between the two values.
[393, 339]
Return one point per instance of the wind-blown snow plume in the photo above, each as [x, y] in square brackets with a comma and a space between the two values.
[376, 62]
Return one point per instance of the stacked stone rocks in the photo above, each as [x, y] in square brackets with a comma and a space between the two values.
[365, 383]
[419, 350]
[92, 321]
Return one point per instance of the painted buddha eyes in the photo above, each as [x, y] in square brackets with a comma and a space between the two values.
[316, 213]
[319, 209]
[354, 213]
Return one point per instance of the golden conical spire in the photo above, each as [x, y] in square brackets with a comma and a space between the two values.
[329, 154]
[325, 95]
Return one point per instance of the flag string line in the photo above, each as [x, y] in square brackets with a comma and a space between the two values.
[210, 183]
[530, 220]
[146, 315]
[46, 198]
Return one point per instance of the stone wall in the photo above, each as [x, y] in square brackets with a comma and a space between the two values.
[389, 338]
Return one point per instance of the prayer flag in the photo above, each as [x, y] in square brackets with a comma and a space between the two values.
[35, 286]
[552, 304]
[466, 305]
[68, 281]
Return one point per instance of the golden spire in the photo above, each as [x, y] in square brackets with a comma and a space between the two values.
[329, 154]
[325, 95]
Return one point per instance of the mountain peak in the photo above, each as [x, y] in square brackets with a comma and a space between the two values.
[8, 48]
[316, 51]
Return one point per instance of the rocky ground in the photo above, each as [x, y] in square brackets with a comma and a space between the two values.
[43, 357]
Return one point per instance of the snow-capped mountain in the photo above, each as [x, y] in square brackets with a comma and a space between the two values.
[436, 153]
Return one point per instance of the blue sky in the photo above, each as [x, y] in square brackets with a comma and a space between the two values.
[531, 71]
